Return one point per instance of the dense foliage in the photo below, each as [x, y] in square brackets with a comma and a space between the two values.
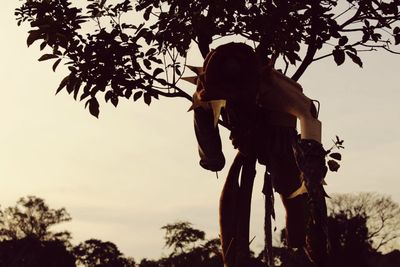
[138, 49]
[381, 215]
[31, 217]
[94, 252]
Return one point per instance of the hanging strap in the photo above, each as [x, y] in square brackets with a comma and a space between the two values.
[269, 214]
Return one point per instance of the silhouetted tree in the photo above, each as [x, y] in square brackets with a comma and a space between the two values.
[182, 237]
[381, 213]
[26, 238]
[128, 57]
[148, 263]
[349, 240]
[96, 253]
[31, 252]
[189, 248]
[290, 258]
[359, 225]
[31, 217]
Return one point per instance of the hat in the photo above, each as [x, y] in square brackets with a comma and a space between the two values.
[229, 72]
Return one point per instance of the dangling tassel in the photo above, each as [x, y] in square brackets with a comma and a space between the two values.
[269, 213]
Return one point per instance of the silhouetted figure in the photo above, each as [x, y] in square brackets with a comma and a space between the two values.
[260, 106]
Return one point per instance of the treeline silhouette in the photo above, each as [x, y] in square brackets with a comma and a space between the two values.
[363, 229]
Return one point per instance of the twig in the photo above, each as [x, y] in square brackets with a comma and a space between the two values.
[344, 12]
[286, 65]
[322, 57]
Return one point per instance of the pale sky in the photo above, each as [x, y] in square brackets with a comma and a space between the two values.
[135, 169]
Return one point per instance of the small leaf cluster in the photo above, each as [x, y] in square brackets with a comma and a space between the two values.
[372, 20]
[334, 157]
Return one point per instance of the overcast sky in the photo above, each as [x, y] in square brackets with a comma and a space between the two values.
[135, 169]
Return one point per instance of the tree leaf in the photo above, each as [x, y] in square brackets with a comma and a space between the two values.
[333, 165]
[338, 141]
[376, 37]
[147, 98]
[154, 59]
[77, 86]
[63, 83]
[114, 100]
[356, 59]
[86, 91]
[94, 107]
[162, 81]
[72, 69]
[155, 95]
[147, 63]
[352, 49]
[366, 37]
[397, 39]
[137, 95]
[124, 37]
[157, 71]
[336, 156]
[339, 56]
[84, 95]
[151, 51]
[128, 93]
[47, 57]
[43, 45]
[55, 65]
[33, 36]
[343, 40]
[71, 83]
[108, 95]
[147, 12]
[178, 71]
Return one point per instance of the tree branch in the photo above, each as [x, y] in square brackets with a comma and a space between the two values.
[391, 51]
[386, 239]
[352, 30]
[175, 94]
[344, 12]
[352, 19]
[308, 59]
[286, 65]
[322, 57]
[371, 235]
[312, 49]
[383, 47]
[178, 93]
